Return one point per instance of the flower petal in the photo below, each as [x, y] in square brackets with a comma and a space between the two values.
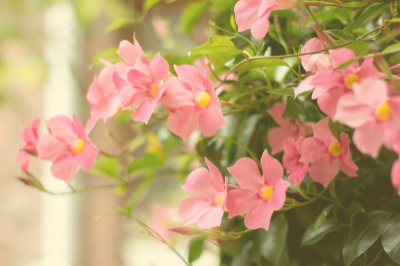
[211, 218]
[246, 173]
[272, 169]
[183, 121]
[324, 170]
[259, 216]
[51, 147]
[65, 167]
[62, 127]
[199, 184]
[191, 209]
[211, 119]
[240, 201]
[159, 69]
[87, 157]
[191, 76]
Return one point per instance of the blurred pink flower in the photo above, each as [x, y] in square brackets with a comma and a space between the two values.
[254, 14]
[327, 154]
[291, 160]
[30, 137]
[145, 89]
[68, 147]
[163, 218]
[193, 103]
[315, 62]
[259, 196]
[207, 200]
[287, 128]
[373, 113]
[133, 56]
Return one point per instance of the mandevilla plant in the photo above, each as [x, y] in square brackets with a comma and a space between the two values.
[301, 134]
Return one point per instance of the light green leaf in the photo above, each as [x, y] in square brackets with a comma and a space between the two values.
[312, 236]
[149, 4]
[260, 63]
[342, 35]
[106, 166]
[365, 15]
[215, 44]
[150, 160]
[391, 239]
[196, 246]
[366, 230]
[355, 4]
[322, 216]
[285, 91]
[192, 13]
[119, 23]
[393, 48]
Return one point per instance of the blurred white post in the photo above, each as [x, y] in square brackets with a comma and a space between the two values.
[60, 217]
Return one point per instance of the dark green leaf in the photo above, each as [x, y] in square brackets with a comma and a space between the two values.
[294, 110]
[106, 166]
[119, 23]
[365, 15]
[285, 92]
[260, 63]
[322, 216]
[149, 4]
[312, 236]
[335, 129]
[192, 13]
[274, 244]
[355, 207]
[303, 96]
[243, 258]
[150, 160]
[215, 44]
[195, 248]
[342, 35]
[391, 239]
[245, 134]
[366, 230]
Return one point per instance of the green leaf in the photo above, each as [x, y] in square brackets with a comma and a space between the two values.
[109, 55]
[215, 44]
[106, 166]
[192, 13]
[312, 236]
[116, 24]
[335, 129]
[355, 207]
[260, 63]
[149, 4]
[233, 22]
[294, 110]
[391, 239]
[342, 35]
[322, 216]
[365, 15]
[196, 246]
[274, 244]
[150, 160]
[393, 48]
[366, 230]
[243, 258]
[285, 92]
[355, 4]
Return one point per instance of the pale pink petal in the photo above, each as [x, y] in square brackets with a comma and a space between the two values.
[352, 113]
[277, 135]
[183, 121]
[272, 169]
[324, 170]
[211, 218]
[327, 39]
[105, 82]
[371, 91]
[215, 175]
[191, 209]
[209, 87]
[395, 176]
[240, 201]
[279, 195]
[304, 86]
[87, 157]
[159, 69]
[130, 96]
[191, 76]
[211, 118]
[178, 94]
[260, 27]
[79, 129]
[311, 45]
[246, 173]
[345, 161]
[319, 62]
[323, 132]
[246, 13]
[368, 138]
[91, 123]
[51, 147]
[266, 7]
[342, 55]
[65, 167]
[139, 80]
[328, 101]
[30, 135]
[259, 216]
[144, 111]
[299, 174]
[61, 126]
[200, 184]
[312, 150]
[108, 106]
[368, 70]
[23, 157]
[276, 112]
[396, 68]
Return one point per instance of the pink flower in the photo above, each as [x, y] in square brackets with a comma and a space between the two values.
[254, 14]
[103, 94]
[287, 128]
[133, 56]
[331, 85]
[68, 147]
[259, 196]
[163, 218]
[30, 137]
[326, 154]
[207, 192]
[145, 89]
[193, 103]
[315, 62]
[373, 113]
[291, 160]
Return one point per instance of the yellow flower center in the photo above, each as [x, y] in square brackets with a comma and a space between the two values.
[219, 199]
[383, 111]
[203, 99]
[351, 78]
[153, 90]
[266, 192]
[77, 146]
[335, 149]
